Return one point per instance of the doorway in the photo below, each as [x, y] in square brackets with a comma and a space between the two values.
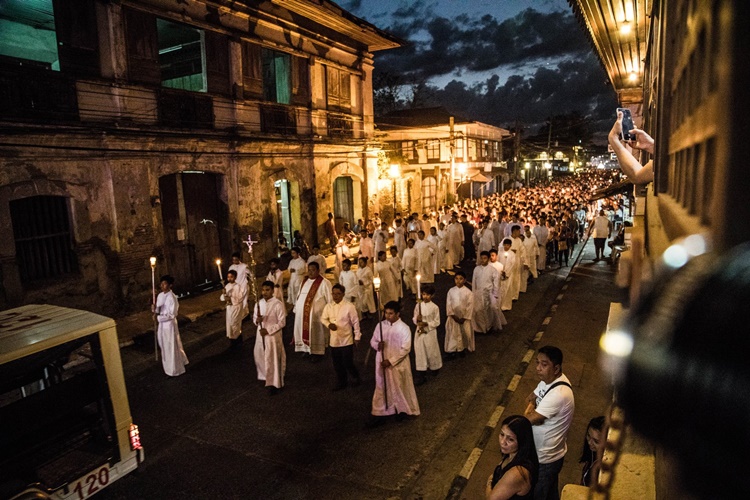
[195, 219]
[343, 202]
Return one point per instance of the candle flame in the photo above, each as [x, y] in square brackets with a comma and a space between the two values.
[376, 282]
[218, 262]
[419, 277]
[153, 261]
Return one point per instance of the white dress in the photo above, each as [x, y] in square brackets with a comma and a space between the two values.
[173, 357]
[426, 346]
[401, 396]
[269, 353]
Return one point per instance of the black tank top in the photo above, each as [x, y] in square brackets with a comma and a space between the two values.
[500, 472]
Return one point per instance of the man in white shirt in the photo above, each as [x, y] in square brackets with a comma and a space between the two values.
[340, 316]
[270, 357]
[550, 410]
[601, 229]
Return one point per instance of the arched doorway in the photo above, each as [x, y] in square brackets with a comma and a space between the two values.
[195, 219]
[347, 200]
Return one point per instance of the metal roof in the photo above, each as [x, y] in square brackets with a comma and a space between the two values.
[30, 328]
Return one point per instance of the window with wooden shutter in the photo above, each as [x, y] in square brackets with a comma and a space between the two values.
[252, 70]
[142, 47]
[217, 63]
[300, 81]
[77, 37]
[338, 89]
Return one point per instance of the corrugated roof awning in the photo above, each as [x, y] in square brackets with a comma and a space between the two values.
[479, 177]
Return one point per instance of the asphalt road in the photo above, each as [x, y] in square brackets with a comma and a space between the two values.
[215, 432]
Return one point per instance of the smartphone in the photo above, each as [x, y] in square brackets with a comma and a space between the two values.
[627, 125]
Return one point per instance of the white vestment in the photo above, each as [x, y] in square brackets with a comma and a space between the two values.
[439, 256]
[398, 272]
[425, 260]
[542, 236]
[483, 289]
[515, 284]
[486, 240]
[399, 239]
[269, 353]
[388, 282]
[318, 339]
[380, 242]
[401, 396]
[173, 357]
[297, 272]
[426, 346]
[455, 242]
[350, 282]
[278, 283]
[532, 254]
[510, 267]
[243, 275]
[235, 297]
[500, 320]
[458, 337]
[411, 264]
[366, 298]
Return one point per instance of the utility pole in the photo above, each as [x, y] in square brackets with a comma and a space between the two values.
[516, 151]
[451, 185]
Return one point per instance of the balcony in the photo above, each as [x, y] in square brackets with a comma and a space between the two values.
[29, 93]
[278, 119]
[185, 109]
[340, 126]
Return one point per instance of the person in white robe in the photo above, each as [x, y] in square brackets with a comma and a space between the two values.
[173, 357]
[510, 268]
[399, 237]
[394, 387]
[398, 270]
[366, 304]
[455, 243]
[517, 247]
[541, 231]
[380, 239]
[276, 275]
[316, 257]
[486, 239]
[234, 296]
[483, 289]
[411, 264]
[388, 279]
[426, 346]
[494, 226]
[341, 252]
[497, 299]
[442, 253]
[425, 258]
[341, 318]
[532, 253]
[310, 336]
[367, 248]
[269, 315]
[348, 279]
[434, 240]
[243, 278]
[297, 272]
[459, 307]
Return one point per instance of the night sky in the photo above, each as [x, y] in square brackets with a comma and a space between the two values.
[495, 61]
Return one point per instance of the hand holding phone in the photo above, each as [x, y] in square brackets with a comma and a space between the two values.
[626, 125]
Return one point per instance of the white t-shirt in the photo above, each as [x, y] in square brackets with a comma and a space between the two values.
[557, 407]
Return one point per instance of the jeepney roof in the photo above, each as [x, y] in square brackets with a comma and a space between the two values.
[34, 327]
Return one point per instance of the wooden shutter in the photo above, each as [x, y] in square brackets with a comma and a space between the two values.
[333, 87]
[142, 46]
[346, 90]
[77, 37]
[252, 70]
[217, 63]
[300, 81]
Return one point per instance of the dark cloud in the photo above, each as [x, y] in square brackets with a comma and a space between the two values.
[352, 5]
[479, 44]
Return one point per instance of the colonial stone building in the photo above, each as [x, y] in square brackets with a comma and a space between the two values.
[436, 156]
[174, 128]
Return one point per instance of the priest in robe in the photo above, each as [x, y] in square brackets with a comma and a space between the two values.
[389, 282]
[510, 268]
[459, 307]
[173, 357]
[483, 288]
[270, 357]
[310, 336]
[425, 258]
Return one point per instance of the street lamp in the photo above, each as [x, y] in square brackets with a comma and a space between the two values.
[394, 172]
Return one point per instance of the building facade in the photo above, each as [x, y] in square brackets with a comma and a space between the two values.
[434, 157]
[174, 128]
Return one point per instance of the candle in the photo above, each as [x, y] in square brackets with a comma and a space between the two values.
[419, 288]
[153, 279]
[376, 283]
[218, 266]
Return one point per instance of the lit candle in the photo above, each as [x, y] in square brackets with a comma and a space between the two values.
[218, 266]
[153, 279]
[376, 283]
[419, 288]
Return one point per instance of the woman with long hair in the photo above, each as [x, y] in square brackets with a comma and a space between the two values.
[516, 475]
[592, 443]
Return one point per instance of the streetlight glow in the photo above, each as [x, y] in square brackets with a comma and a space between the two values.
[394, 171]
[626, 28]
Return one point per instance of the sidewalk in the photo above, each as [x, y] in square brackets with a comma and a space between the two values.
[574, 324]
[191, 310]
